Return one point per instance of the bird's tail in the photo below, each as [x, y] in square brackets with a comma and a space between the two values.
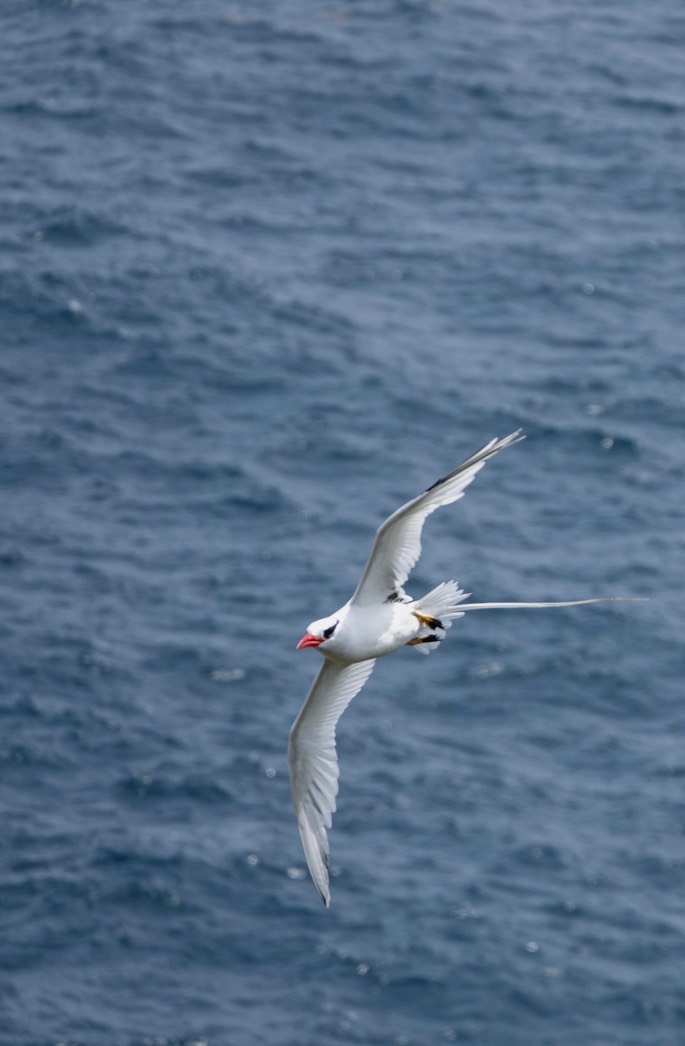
[556, 603]
[442, 602]
[437, 610]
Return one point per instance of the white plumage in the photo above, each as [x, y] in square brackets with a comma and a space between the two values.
[379, 618]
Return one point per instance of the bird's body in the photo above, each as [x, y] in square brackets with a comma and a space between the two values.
[378, 619]
[367, 632]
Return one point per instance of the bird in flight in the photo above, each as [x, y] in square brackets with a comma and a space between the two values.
[379, 618]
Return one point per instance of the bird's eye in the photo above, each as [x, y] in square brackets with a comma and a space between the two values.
[328, 632]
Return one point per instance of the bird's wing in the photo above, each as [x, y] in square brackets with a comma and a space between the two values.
[313, 762]
[397, 546]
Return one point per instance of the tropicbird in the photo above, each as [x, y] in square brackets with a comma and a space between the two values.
[379, 618]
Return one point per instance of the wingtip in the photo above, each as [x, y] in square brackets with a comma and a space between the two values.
[314, 846]
[323, 887]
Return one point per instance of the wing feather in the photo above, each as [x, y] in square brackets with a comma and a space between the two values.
[313, 761]
[397, 545]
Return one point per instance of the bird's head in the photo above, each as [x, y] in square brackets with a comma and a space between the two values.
[319, 632]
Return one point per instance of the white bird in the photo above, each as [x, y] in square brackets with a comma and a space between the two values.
[379, 618]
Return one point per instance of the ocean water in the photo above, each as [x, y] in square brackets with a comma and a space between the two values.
[267, 270]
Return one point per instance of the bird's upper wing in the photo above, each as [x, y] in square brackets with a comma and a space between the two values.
[313, 762]
[397, 546]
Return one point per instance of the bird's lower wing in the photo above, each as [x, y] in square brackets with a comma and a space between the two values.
[313, 762]
[397, 545]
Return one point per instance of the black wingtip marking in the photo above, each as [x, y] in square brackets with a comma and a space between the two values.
[436, 484]
[393, 597]
[481, 455]
[322, 895]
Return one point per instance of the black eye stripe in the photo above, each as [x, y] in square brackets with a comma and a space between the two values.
[328, 632]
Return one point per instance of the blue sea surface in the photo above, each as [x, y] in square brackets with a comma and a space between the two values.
[267, 270]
